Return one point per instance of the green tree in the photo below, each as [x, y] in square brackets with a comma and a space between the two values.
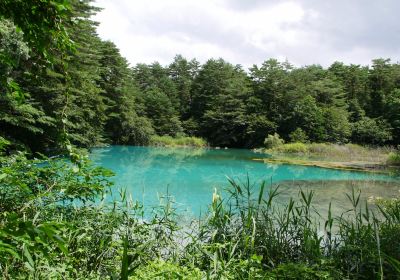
[371, 131]
[220, 94]
[21, 118]
[162, 113]
[272, 85]
[69, 91]
[160, 98]
[381, 83]
[392, 113]
[336, 125]
[310, 118]
[328, 92]
[354, 79]
[42, 22]
[182, 72]
[123, 124]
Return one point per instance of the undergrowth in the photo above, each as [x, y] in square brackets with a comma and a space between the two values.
[394, 158]
[334, 152]
[179, 141]
[52, 226]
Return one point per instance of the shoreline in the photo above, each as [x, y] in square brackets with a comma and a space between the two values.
[349, 166]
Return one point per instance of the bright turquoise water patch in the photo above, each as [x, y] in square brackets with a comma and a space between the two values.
[190, 175]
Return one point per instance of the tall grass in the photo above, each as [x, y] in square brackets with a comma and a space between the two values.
[292, 148]
[180, 141]
[333, 152]
[394, 158]
[248, 234]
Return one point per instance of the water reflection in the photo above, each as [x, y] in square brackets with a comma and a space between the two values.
[335, 191]
[190, 175]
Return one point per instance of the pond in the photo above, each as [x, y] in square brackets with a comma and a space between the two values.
[190, 176]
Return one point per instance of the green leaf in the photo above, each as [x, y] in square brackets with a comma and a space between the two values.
[30, 264]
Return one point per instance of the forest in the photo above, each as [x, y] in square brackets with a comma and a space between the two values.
[82, 90]
[63, 88]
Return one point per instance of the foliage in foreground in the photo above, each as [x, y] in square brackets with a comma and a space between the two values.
[50, 229]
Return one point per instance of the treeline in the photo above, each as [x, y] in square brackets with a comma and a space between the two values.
[86, 93]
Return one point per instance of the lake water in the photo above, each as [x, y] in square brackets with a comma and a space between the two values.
[191, 175]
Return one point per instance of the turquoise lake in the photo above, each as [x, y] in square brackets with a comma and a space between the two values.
[191, 175]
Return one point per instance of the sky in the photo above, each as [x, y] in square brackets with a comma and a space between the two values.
[248, 32]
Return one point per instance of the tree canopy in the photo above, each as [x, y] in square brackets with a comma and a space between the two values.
[60, 81]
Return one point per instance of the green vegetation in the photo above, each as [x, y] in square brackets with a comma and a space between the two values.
[273, 141]
[179, 141]
[291, 148]
[298, 136]
[49, 228]
[61, 86]
[347, 153]
[61, 83]
[394, 158]
[160, 269]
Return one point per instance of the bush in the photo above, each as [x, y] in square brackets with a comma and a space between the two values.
[298, 136]
[394, 159]
[3, 144]
[273, 141]
[160, 269]
[134, 131]
[303, 272]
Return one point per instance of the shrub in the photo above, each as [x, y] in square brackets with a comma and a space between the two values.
[394, 159]
[160, 269]
[134, 130]
[298, 136]
[3, 143]
[273, 141]
[303, 272]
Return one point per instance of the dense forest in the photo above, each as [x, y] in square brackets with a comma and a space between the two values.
[62, 87]
[66, 83]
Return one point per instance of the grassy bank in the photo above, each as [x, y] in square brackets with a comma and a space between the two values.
[250, 234]
[180, 141]
[336, 191]
[394, 158]
[327, 155]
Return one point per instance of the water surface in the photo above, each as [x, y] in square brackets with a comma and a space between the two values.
[191, 175]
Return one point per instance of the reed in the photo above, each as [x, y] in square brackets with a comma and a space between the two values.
[249, 234]
[334, 152]
[180, 141]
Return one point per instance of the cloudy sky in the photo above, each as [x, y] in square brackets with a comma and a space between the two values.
[248, 32]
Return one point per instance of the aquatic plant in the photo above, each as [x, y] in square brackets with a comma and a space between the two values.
[249, 234]
[182, 141]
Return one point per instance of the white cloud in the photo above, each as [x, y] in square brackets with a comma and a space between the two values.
[243, 32]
